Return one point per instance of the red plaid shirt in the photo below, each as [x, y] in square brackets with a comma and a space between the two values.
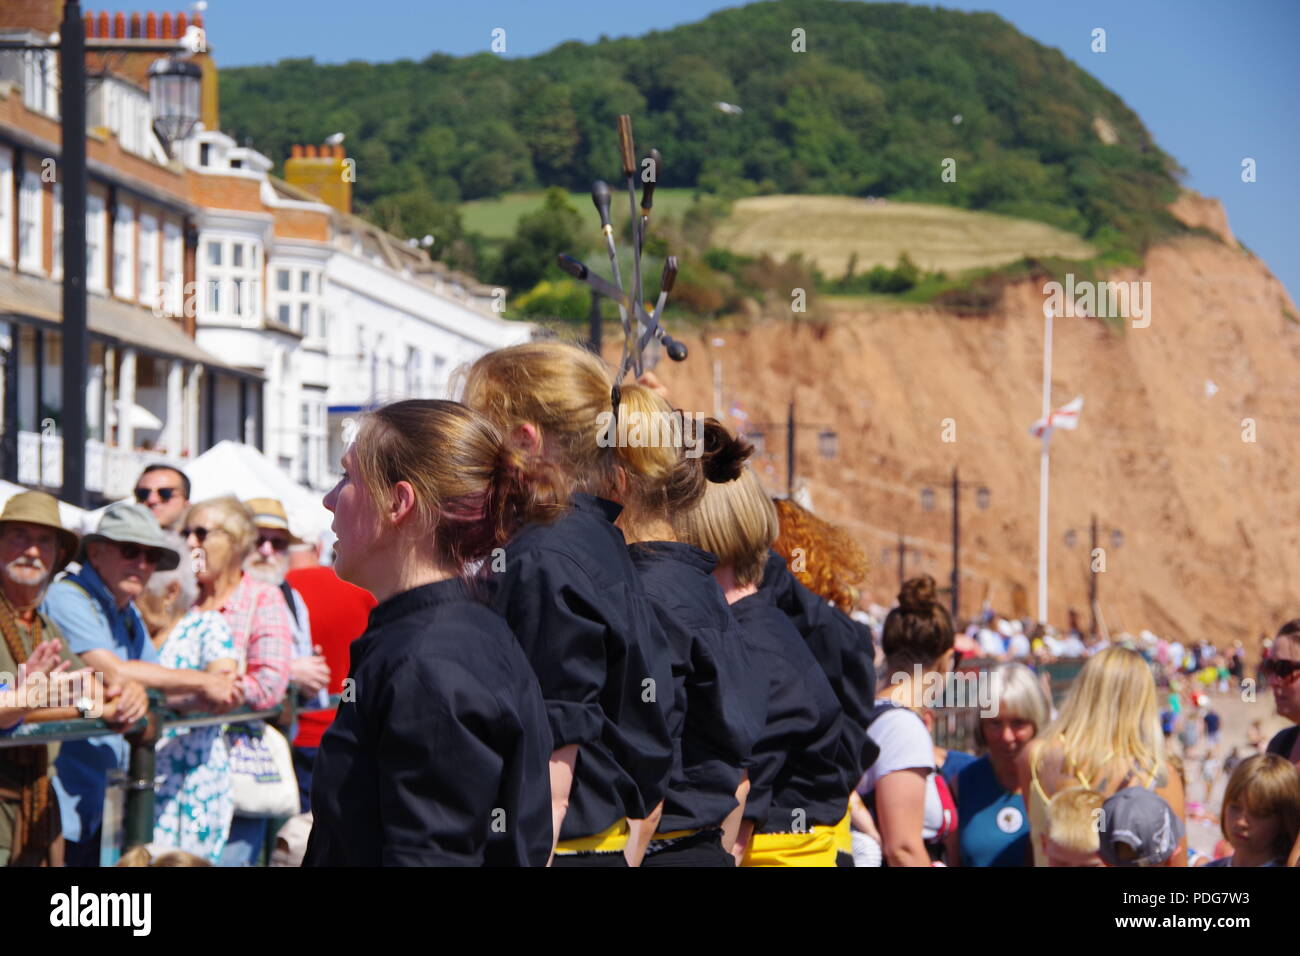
[259, 618]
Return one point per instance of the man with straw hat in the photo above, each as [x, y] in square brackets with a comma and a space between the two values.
[95, 607]
[34, 546]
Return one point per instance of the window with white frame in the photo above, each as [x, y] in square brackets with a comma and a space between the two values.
[96, 237]
[124, 252]
[148, 282]
[414, 378]
[56, 230]
[6, 205]
[29, 221]
[231, 268]
[295, 292]
[173, 266]
[40, 81]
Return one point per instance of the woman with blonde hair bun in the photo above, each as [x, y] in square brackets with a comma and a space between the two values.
[568, 589]
[1106, 737]
[715, 720]
[799, 785]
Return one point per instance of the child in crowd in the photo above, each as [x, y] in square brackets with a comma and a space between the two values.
[1073, 822]
[1139, 828]
[1261, 812]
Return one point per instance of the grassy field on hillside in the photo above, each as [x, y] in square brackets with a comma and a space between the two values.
[829, 229]
[496, 218]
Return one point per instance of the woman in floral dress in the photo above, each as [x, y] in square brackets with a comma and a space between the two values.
[193, 804]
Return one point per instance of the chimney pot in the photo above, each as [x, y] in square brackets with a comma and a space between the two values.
[103, 31]
[165, 27]
[198, 20]
[90, 25]
[136, 32]
[339, 152]
[295, 151]
[119, 26]
[181, 24]
[311, 151]
[151, 26]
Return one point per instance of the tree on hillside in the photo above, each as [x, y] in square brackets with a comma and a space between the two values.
[541, 235]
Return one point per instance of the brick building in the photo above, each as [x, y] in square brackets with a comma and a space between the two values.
[224, 303]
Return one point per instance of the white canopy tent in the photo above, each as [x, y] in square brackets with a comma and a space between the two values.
[231, 468]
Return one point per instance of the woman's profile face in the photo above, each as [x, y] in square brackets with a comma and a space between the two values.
[1006, 734]
[356, 524]
[1286, 690]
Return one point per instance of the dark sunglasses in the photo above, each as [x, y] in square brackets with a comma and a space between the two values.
[1279, 669]
[200, 533]
[132, 552]
[142, 494]
[280, 544]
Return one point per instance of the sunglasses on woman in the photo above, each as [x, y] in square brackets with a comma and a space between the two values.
[142, 494]
[132, 552]
[201, 534]
[1282, 670]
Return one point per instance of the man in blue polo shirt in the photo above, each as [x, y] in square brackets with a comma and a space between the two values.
[95, 610]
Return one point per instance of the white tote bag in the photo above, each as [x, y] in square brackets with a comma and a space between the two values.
[262, 779]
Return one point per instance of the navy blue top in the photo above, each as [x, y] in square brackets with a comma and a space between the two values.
[993, 826]
[442, 756]
[842, 647]
[954, 763]
[715, 720]
[801, 773]
[574, 599]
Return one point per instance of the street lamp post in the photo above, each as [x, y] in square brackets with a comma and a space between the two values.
[827, 442]
[173, 86]
[1116, 541]
[983, 498]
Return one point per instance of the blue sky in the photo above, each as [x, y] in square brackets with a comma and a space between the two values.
[1214, 80]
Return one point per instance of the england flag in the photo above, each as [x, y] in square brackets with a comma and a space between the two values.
[1067, 416]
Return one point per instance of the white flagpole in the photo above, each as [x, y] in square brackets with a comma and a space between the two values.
[1044, 471]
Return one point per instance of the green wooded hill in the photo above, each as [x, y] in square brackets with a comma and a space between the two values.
[870, 109]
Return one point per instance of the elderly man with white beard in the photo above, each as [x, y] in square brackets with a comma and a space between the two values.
[269, 563]
[34, 546]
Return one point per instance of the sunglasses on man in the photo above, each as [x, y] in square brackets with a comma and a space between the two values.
[132, 552]
[279, 544]
[165, 494]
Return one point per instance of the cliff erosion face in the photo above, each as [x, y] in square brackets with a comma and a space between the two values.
[1186, 443]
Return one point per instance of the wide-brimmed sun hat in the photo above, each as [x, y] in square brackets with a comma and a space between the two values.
[131, 523]
[270, 513]
[36, 507]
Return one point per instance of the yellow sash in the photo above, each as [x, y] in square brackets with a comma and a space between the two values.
[816, 848]
[613, 840]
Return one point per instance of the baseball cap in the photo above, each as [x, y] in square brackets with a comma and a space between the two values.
[1138, 829]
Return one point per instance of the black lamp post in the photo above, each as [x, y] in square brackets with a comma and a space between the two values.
[983, 498]
[1116, 541]
[827, 442]
[175, 89]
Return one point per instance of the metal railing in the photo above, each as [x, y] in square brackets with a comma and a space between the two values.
[139, 778]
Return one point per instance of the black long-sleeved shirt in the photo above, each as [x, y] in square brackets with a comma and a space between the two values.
[798, 779]
[572, 596]
[716, 719]
[842, 647]
[442, 756]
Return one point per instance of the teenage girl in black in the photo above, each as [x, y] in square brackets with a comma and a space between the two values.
[570, 593]
[439, 757]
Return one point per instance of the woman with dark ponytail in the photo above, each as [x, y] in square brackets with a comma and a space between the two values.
[799, 786]
[439, 753]
[569, 591]
[716, 717]
[913, 810]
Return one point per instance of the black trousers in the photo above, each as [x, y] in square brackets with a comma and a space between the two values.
[703, 849]
[589, 859]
